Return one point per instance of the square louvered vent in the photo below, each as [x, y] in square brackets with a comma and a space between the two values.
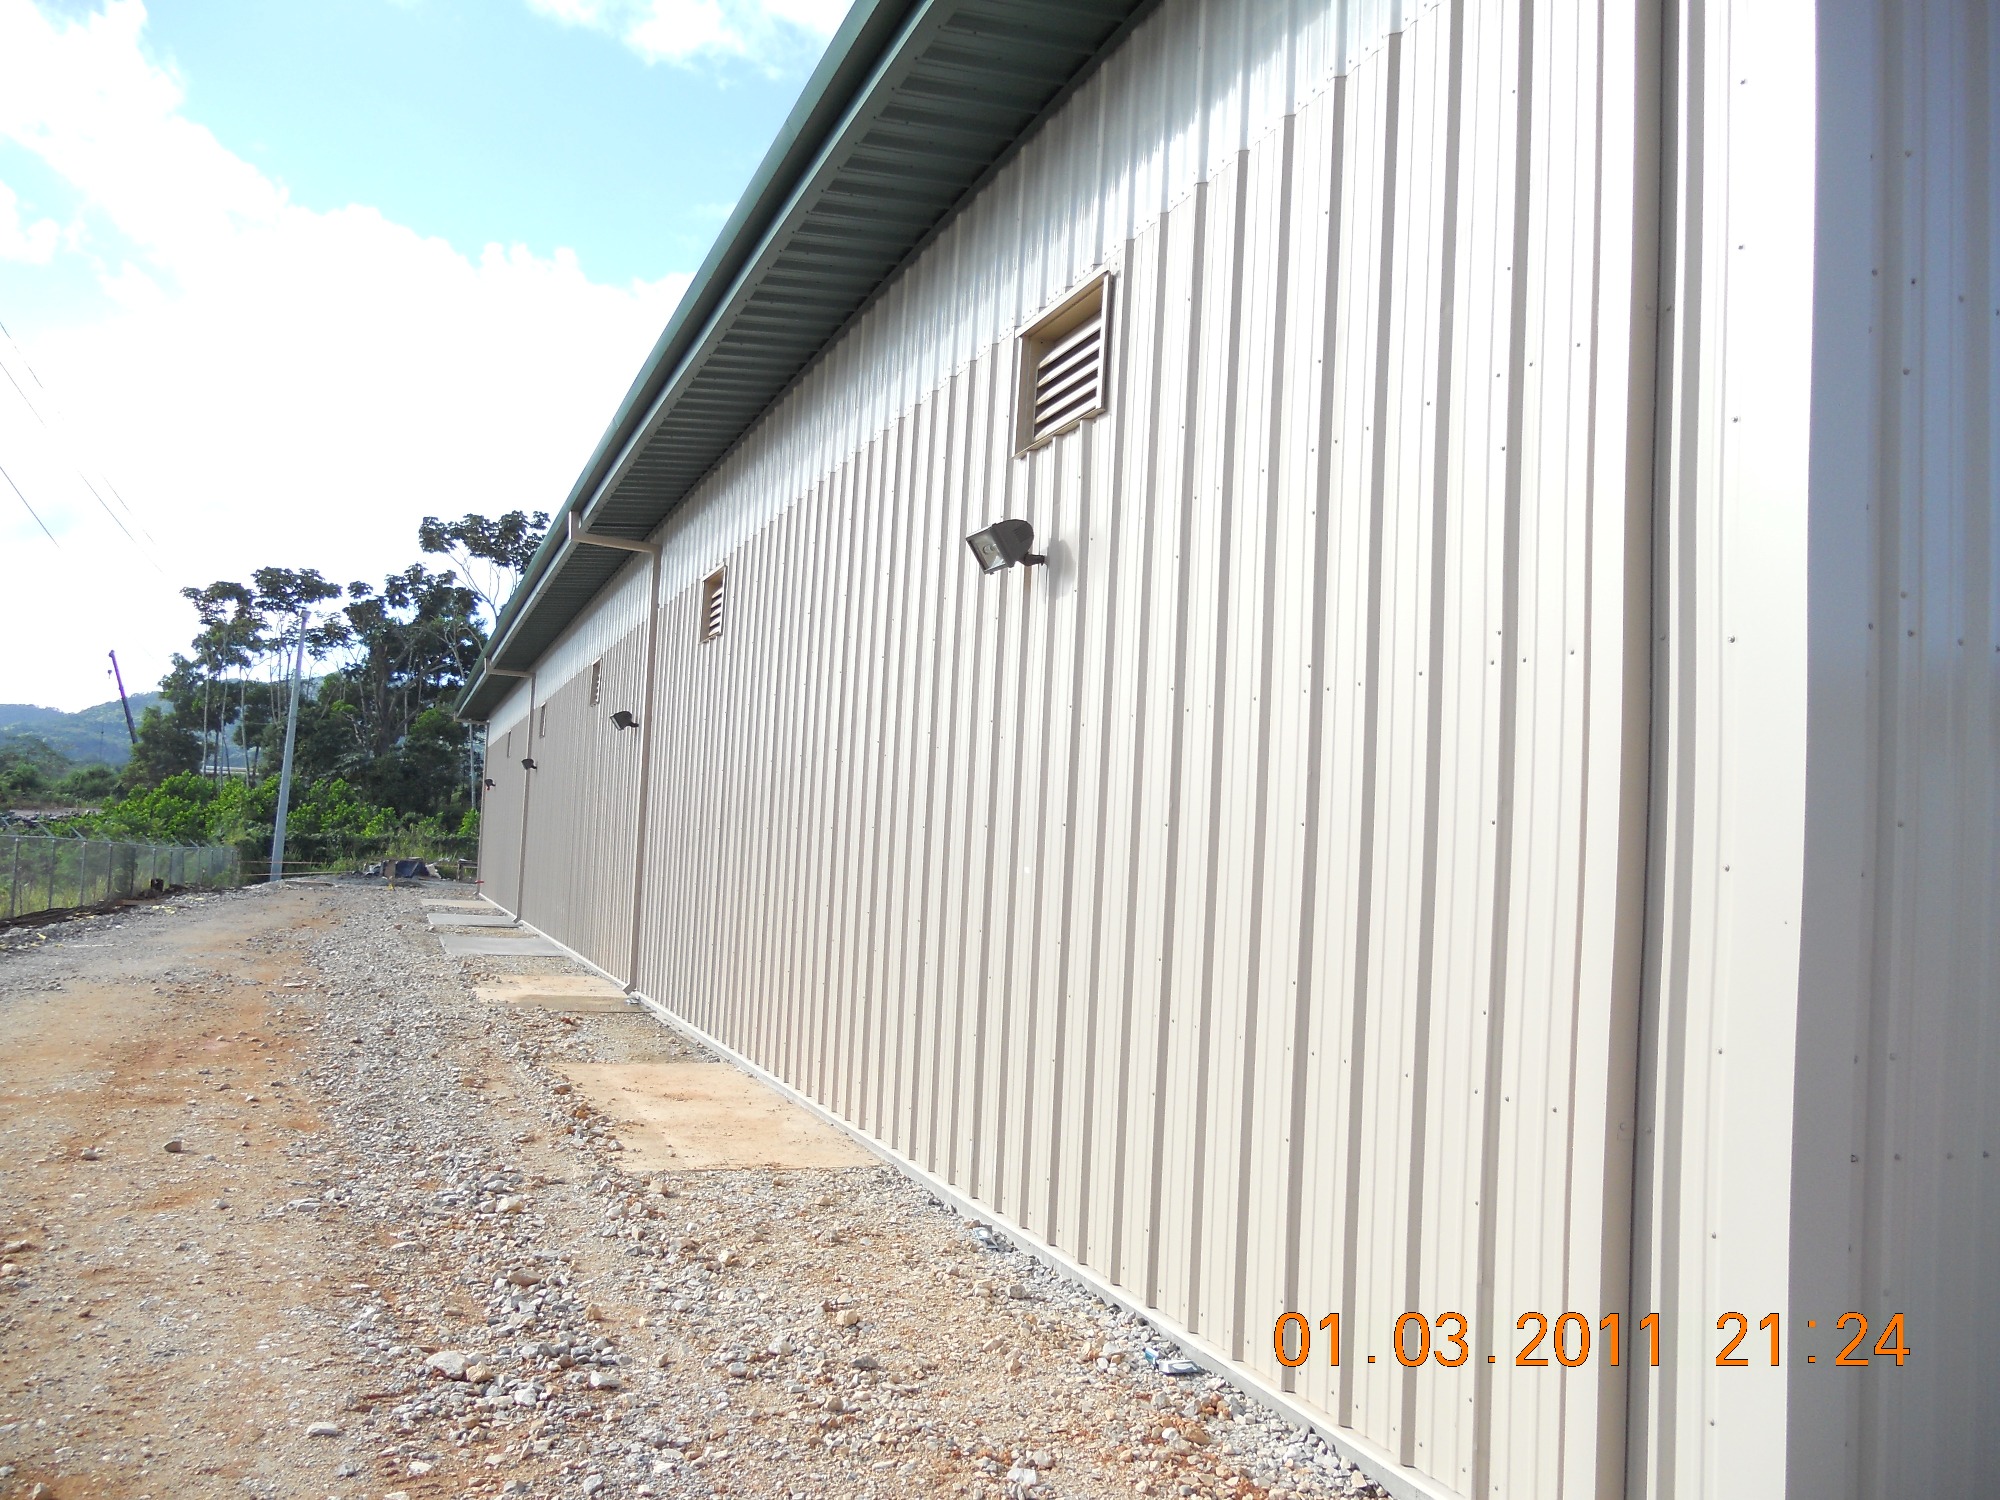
[711, 606]
[1063, 364]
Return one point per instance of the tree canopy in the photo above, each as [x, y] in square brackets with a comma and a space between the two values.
[377, 749]
[488, 554]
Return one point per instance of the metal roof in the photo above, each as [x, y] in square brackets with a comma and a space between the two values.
[914, 105]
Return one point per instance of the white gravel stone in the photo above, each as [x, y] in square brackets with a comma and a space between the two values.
[465, 1196]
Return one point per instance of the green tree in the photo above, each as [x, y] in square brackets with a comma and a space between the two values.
[231, 639]
[414, 643]
[379, 759]
[427, 773]
[376, 719]
[490, 553]
[35, 774]
[89, 785]
[180, 808]
[30, 768]
[287, 597]
[166, 747]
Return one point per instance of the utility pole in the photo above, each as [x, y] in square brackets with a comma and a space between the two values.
[285, 770]
[123, 702]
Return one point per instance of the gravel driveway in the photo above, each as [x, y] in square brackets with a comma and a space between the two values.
[287, 1211]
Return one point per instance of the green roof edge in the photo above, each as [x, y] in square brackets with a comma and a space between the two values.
[860, 51]
[850, 59]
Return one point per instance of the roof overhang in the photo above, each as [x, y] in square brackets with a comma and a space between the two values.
[914, 106]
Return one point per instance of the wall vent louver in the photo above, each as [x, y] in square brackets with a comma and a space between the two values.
[711, 606]
[1063, 365]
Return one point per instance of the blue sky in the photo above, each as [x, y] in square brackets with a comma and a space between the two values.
[266, 265]
[484, 122]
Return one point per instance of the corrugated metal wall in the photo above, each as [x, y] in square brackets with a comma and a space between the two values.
[1729, 766]
[1822, 1036]
[1277, 902]
[1897, 1150]
[572, 875]
[501, 808]
[581, 845]
[1248, 904]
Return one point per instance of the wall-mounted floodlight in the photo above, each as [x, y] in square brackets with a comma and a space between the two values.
[623, 719]
[528, 763]
[1003, 544]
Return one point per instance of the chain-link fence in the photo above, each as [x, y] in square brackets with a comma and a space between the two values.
[452, 857]
[47, 872]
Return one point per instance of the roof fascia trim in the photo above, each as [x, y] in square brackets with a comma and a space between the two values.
[867, 104]
[880, 39]
[850, 62]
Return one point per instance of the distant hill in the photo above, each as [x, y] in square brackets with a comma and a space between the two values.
[93, 734]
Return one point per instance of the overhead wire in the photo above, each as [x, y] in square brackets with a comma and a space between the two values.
[42, 386]
[31, 509]
[56, 438]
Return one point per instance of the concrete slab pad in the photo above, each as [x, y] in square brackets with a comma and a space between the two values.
[563, 1004]
[468, 919]
[497, 945]
[707, 1117]
[574, 994]
[464, 906]
[560, 984]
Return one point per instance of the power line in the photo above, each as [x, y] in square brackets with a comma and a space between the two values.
[24, 356]
[31, 509]
[127, 509]
[54, 437]
[72, 463]
[36, 413]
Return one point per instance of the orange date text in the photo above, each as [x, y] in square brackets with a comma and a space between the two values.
[1571, 1339]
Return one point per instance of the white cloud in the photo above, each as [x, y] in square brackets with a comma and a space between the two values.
[34, 243]
[766, 32]
[265, 383]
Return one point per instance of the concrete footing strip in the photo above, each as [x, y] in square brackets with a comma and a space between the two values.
[1367, 1457]
[484, 943]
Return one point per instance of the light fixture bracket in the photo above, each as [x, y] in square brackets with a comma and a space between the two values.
[1003, 545]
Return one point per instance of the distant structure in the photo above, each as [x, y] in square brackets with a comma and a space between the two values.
[131, 729]
[1339, 661]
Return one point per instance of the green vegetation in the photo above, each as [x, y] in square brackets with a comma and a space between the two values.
[34, 774]
[331, 823]
[380, 767]
[92, 734]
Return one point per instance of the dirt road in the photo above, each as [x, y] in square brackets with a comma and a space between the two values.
[288, 1209]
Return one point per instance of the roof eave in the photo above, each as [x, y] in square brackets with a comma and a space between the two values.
[852, 89]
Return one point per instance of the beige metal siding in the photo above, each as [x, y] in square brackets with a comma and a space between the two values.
[1237, 903]
[1366, 870]
[1824, 986]
[502, 807]
[583, 810]
[1727, 819]
[1897, 1145]
[557, 845]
